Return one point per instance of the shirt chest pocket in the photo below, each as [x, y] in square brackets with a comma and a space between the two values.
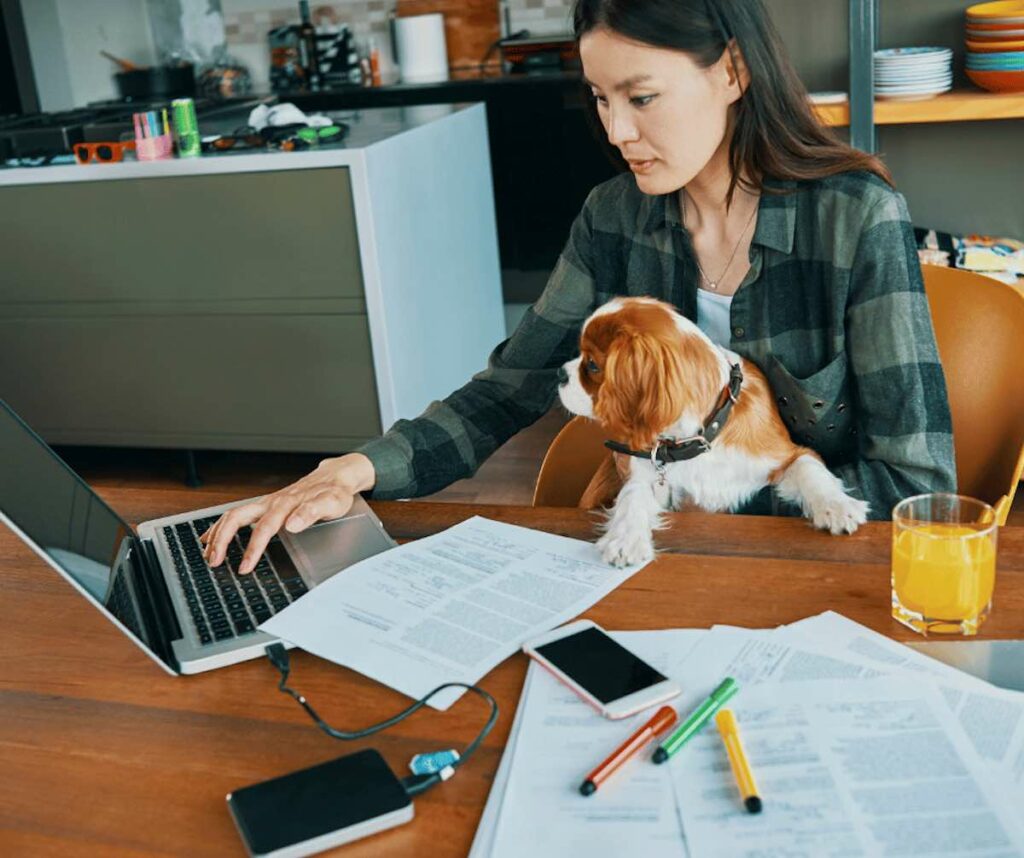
[817, 410]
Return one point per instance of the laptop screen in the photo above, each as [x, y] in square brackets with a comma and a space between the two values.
[67, 522]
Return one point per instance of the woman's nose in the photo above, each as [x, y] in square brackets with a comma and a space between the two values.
[620, 130]
[563, 376]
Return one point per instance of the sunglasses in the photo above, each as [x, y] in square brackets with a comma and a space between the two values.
[248, 137]
[245, 137]
[102, 152]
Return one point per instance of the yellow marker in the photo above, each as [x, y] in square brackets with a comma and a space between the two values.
[167, 127]
[727, 726]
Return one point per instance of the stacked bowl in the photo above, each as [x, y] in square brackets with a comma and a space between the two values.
[909, 74]
[995, 45]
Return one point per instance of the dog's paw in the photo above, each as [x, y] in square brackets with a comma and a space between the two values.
[625, 549]
[842, 514]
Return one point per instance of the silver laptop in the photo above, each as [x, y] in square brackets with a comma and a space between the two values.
[154, 584]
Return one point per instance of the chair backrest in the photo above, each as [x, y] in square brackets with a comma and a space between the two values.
[979, 329]
[569, 464]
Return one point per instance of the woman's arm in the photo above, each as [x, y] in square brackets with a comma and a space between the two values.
[903, 425]
[453, 437]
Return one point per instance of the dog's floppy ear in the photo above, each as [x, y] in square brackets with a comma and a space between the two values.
[643, 389]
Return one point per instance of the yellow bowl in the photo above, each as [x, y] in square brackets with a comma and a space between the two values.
[1003, 9]
[998, 81]
[994, 47]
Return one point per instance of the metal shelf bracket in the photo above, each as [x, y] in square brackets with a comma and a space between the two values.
[863, 38]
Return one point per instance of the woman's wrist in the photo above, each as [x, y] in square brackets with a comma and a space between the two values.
[354, 472]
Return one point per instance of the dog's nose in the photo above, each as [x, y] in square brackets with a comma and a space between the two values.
[563, 376]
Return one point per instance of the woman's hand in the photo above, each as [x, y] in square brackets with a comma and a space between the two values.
[326, 493]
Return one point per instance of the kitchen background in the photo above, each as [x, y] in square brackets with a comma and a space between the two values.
[955, 175]
[66, 35]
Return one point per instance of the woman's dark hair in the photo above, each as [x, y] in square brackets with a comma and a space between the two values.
[776, 133]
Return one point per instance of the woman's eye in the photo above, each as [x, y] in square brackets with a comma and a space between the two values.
[642, 100]
[592, 367]
[600, 99]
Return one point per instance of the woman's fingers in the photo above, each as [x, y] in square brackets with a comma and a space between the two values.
[281, 506]
[225, 528]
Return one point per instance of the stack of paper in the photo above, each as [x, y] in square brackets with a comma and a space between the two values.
[860, 746]
[448, 607]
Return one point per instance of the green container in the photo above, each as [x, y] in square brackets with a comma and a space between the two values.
[186, 128]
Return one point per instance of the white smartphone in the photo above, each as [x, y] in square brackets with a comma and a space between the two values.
[615, 681]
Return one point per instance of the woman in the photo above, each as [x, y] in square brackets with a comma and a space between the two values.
[784, 244]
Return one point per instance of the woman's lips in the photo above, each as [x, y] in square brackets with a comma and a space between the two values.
[642, 166]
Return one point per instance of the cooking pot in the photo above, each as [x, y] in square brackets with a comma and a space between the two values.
[157, 82]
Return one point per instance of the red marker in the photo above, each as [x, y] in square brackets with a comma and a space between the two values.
[662, 720]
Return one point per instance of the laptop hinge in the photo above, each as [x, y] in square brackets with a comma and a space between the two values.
[157, 604]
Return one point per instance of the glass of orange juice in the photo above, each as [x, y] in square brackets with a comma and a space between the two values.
[943, 563]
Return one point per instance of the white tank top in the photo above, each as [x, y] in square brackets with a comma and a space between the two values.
[713, 316]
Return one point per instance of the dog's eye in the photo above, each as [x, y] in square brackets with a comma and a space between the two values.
[592, 367]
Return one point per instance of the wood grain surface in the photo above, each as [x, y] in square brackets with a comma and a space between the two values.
[103, 754]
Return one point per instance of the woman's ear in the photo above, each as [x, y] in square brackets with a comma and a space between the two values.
[643, 390]
[737, 75]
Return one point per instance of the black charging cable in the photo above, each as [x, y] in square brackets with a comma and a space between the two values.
[414, 784]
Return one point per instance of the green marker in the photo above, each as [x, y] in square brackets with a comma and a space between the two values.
[698, 718]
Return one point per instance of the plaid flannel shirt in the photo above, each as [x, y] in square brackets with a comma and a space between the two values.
[833, 310]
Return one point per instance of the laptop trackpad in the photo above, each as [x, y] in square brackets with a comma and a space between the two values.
[324, 549]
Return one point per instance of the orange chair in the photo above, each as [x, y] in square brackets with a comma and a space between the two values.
[979, 327]
[570, 463]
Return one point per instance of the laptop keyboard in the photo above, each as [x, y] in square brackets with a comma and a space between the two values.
[223, 603]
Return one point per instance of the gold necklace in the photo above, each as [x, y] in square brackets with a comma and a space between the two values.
[713, 284]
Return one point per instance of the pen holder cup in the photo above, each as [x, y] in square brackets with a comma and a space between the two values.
[154, 148]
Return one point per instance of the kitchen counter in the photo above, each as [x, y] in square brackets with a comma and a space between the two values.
[254, 300]
[367, 129]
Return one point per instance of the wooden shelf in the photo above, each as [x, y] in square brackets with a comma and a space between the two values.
[961, 106]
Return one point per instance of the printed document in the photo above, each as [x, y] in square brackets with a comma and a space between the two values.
[873, 767]
[536, 808]
[448, 607]
[993, 718]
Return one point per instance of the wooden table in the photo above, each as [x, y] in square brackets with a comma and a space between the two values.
[103, 754]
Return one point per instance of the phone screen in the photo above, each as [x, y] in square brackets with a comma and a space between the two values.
[606, 669]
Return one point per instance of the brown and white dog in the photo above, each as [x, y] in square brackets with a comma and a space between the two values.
[653, 379]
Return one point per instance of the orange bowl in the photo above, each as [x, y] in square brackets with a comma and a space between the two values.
[994, 47]
[998, 81]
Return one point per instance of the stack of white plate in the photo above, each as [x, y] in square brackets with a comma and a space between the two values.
[910, 74]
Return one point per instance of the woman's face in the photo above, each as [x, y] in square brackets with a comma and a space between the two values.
[664, 113]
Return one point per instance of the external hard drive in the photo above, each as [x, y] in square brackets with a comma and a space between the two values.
[318, 808]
